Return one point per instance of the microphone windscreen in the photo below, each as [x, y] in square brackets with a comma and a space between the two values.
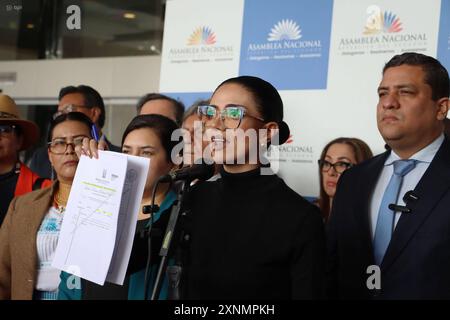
[203, 171]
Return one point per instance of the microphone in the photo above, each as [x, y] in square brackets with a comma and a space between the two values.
[408, 198]
[201, 171]
[402, 209]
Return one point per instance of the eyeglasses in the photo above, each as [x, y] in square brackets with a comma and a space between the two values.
[68, 108]
[338, 167]
[6, 129]
[231, 115]
[60, 145]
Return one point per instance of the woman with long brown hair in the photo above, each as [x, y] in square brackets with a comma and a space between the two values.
[338, 155]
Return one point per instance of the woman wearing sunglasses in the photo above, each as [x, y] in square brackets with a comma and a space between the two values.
[252, 237]
[338, 156]
[30, 232]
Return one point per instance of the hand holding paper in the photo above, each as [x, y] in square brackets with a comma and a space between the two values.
[100, 219]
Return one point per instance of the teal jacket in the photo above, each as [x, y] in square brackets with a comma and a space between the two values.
[70, 287]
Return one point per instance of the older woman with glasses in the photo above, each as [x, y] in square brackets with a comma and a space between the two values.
[29, 234]
[147, 136]
[338, 155]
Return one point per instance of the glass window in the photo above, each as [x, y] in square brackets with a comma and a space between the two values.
[31, 29]
[112, 28]
[20, 30]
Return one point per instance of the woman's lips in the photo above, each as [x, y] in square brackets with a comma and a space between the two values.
[330, 184]
[71, 163]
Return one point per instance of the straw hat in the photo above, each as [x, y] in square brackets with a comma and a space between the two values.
[9, 114]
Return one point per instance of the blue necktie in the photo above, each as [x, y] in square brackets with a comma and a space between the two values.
[386, 216]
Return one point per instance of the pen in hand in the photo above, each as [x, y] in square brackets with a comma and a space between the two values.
[102, 145]
[94, 132]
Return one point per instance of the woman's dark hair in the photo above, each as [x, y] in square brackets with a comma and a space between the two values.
[71, 116]
[162, 126]
[268, 101]
[361, 151]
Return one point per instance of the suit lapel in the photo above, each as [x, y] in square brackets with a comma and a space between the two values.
[366, 185]
[431, 187]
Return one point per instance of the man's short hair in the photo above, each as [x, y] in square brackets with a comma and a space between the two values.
[178, 106]
[436, 76]
[91, 99]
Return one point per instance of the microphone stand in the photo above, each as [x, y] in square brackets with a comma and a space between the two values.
[151, 209]
[167, 245]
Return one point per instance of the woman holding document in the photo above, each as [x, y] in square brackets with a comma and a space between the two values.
[251, 236]
[29, 234]
[146, 136]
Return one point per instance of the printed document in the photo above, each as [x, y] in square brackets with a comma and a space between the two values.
[100, 218]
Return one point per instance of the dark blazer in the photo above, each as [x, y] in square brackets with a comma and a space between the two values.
[417, 262]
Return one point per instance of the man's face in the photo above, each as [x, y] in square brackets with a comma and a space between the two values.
[407, 116]
[159, 106]
[75, 102]
[10, 145]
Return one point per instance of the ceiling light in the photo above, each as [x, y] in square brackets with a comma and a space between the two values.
[129, 15]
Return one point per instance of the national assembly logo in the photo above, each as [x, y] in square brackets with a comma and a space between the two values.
[201, 45]
[202, 35]
[284, 41]
[381, 22]
[285, 30]
[383, 32]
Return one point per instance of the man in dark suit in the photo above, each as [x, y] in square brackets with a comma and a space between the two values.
[383, 241]
[84, 99]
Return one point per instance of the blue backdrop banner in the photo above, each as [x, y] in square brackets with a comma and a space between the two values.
[443, 52]
[287, 46]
